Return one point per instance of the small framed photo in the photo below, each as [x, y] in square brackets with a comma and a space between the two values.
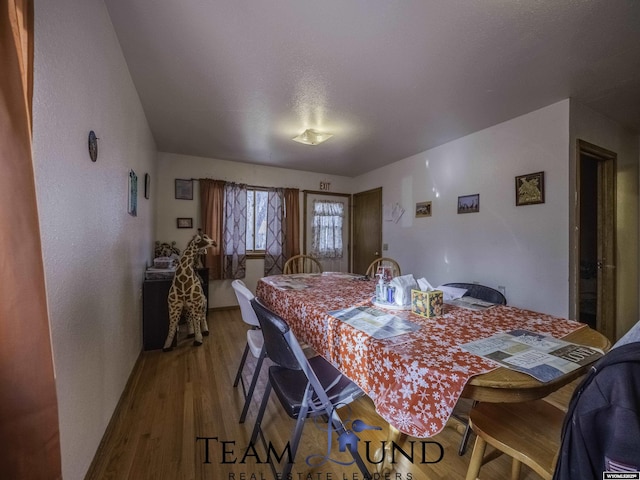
[132, 205]
[530, 189]
[147, 185]
[423, 209]
[184, 189]
[185, 222]
[469, 203]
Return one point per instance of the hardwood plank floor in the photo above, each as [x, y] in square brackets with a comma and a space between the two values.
[173, 399]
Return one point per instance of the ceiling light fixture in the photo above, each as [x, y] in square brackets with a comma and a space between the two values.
[312, 137]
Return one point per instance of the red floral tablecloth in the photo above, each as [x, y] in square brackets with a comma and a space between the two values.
[414, 379]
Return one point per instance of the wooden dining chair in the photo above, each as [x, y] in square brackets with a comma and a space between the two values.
[302, 264]
[596, 431]
[383, 262]
[528, 432]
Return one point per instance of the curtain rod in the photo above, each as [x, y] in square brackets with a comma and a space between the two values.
[248, 186]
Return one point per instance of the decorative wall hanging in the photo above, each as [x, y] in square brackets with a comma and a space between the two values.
[530, 189]
[397, 212]
[185, 222]
[469, 203]
[93, 146]
[147, 185]
[132, 207]
[392, 213]
[184, 189]
[423, 209]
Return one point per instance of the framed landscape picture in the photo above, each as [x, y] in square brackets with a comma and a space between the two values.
[469, 203]
[530, 189]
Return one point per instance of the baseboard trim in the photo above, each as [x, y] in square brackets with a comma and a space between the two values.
[137, 366]
[222, 309]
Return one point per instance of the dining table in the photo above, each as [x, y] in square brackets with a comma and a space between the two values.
[415, 379]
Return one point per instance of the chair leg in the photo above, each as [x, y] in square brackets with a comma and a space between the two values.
[338, 426]
[516, 466]
[263, 407]
[297, 432]
[465, 435]
[241, 366]
[477, 457]
[252, 387]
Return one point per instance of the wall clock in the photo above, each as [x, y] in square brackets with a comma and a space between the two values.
[93, 146]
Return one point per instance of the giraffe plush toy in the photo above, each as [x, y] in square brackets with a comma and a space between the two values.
[186, 293]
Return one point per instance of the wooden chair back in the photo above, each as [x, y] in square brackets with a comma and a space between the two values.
[384, 262]
[528, 432]
[302, 264]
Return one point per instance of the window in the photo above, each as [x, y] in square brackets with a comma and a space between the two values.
[256, 220]
[328, 218]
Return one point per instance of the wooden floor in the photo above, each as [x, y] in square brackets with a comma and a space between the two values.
[174, 398]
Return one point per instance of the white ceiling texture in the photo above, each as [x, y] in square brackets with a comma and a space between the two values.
[238, 79]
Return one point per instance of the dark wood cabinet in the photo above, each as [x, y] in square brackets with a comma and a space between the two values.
[155, 310]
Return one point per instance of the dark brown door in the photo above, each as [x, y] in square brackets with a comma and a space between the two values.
[597, 241]
[367, 228]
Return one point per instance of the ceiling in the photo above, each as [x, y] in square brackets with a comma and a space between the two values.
[238, 79]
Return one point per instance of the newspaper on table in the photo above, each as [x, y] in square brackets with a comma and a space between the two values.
[471, 303]
[374, 322]
[541, 356]
[291, 283]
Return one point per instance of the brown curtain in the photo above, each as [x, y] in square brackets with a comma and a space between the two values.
[211, 211]
[29, 433]
[292, 222]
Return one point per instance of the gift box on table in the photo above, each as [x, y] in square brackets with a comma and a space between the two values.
[427, 304]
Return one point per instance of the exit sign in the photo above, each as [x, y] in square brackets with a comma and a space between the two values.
[325, 186]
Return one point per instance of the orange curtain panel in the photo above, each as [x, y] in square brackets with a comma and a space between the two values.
[212, 208]
[29, 432]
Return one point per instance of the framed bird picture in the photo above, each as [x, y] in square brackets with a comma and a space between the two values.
[530, 189]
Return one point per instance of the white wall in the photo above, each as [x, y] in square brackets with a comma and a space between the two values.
[94, 252]
[168, 209]
[601, 131]
[524, 249]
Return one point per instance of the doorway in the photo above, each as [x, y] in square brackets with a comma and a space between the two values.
[367, 228]
[596, 194]
[340, 203]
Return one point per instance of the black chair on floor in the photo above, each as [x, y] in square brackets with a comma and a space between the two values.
[488, 294]
[480, 292]
[305, 387]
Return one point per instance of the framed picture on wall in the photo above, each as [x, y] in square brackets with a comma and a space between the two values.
[132, 204]
[423, 209]
[147, 185]
[185, 222]
[530, 189]
[469, 203]
[184, 189]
